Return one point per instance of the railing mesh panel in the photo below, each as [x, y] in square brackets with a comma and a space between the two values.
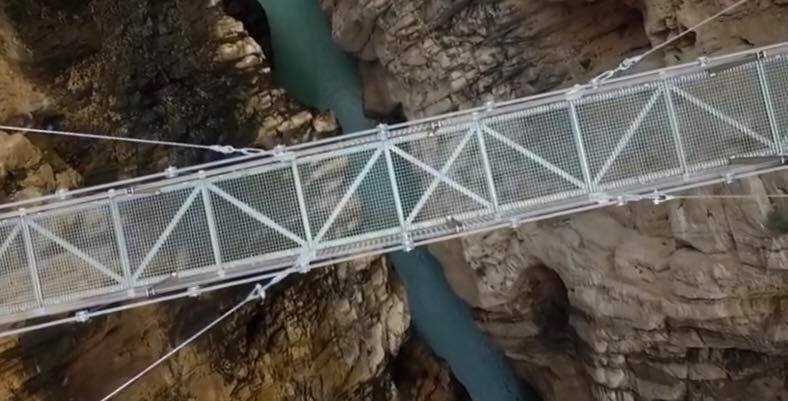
[420, 182]
[18, 293]
[269, 195]
[76, 253]
[527, 163]
[628, 138]
[162, 241]
[776, 71]
[720, 115]
[453, 155]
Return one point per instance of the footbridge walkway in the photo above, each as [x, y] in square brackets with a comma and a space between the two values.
[183, 232]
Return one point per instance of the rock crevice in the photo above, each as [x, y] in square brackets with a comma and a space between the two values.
[186, 71]
[662, 302]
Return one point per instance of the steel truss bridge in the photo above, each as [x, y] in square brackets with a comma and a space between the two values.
[186, 231]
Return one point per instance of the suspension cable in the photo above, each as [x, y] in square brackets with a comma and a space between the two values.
[224, 149]
[625, 65]
[259, 292]
[632, 61]
[728, 196]
[84, 316]
[180, 346]
[661, 197]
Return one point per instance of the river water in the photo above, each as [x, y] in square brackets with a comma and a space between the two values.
[314, 71]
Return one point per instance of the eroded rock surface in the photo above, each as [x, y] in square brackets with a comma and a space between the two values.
[678, 301]
[28, 171]
[186, 71]
[181, 71]
[441, 55]
[682, 301]
[331, 336]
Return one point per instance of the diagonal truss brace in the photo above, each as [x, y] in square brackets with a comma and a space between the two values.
[438, 179]
[166, 234]
[76, 252]
[349, 194]
[488, 174]
[308, 252]
[210, 217]
[534, 157]
[32, 265]
[630, 132]
[440, 176]
[9, 240]
[395, 192]
[721, 116]
[120, 240]
[255, 214]
[763, 82]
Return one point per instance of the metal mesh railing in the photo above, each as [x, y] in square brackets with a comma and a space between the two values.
[395, 187]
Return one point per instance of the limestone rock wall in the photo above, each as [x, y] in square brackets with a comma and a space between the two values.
[19, 95]
[332, 341]
[441, 55]
[28, 171]
[681, 301]
[433, 56]
[193, 71]
[177, 70]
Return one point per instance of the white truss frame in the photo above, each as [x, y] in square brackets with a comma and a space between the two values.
[309, 246]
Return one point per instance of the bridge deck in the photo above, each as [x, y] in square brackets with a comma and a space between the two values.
[423, 181]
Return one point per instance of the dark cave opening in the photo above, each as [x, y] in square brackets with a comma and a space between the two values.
[255, 21]
[550, 300]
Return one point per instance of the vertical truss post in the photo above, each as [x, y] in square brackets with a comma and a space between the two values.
[580, 146]
[767, 100]
[349, 193]
[31, 261]
[211, 218]
[385, 144]
[309, 246]
[477, 126]
[120, 239]
[171, 226]
[674, 128]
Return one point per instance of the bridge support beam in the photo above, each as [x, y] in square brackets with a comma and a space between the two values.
[486, 163]
[210, 217]
[407, 243]
[309, 246]
[31, 260]
[767, 100]
[120, 240]
[674, 128]
[581, 149]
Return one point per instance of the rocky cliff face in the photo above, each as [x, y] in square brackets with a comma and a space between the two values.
[180, 71]
[682, 301]
[28, 171]
[435, 56]
[431, 56]
[332, 341]
[192, 71]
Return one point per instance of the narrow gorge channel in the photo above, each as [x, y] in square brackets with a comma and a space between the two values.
[310, 67]
[682, 301]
